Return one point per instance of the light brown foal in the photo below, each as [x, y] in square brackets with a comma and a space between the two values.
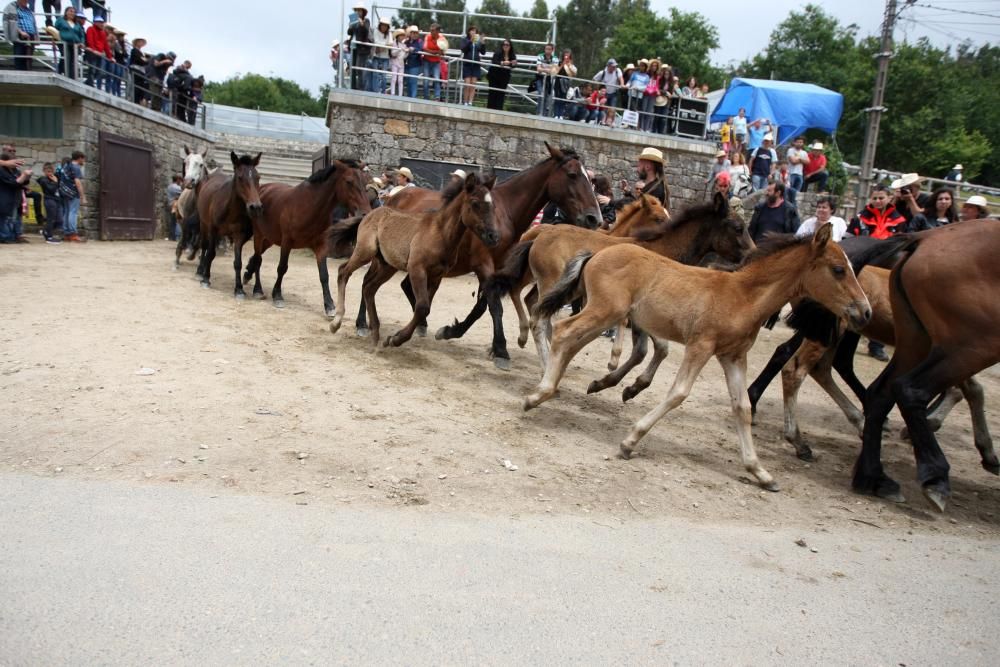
[713, 313]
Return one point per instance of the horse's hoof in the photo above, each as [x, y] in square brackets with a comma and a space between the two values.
[259, 296]
[522, 341]
[334, 326]
[991, 466]
[612, 366]
[330, 312]
[594, 387]
[442, 334]
[278, 303]
[771, 486]
[937, 493]
[206, 284]
[502, 363]
[624, 451]
[805, 454]
[246, 278]
[240, 296]
[176, 267]
[753, 416]
[362, 332]
[628, 394]
[421, 331]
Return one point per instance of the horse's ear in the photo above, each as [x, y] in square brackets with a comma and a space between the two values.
[721, 205]
[256, 160]
[187, 151]
[204, 153]
[490, 182]
[471, 181]
[554, 151]
[234, 158]
[822, 237]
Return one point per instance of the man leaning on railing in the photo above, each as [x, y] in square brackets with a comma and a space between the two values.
[19, 26]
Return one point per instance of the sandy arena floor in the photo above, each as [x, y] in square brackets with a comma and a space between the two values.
[251, 399]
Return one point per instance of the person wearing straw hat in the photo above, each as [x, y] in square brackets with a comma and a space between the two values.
[414, 62]
[382, 37]
[955, 175]
[719, 165]
[360, 32]
[650, 171]
[975, 208]
[815, 169]
[910, 201]
[404, 178]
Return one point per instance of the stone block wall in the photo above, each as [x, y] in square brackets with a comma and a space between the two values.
[87, 113]
[381, 130]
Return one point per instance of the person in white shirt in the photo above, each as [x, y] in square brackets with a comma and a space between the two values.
[824, 214]
[798, 158]
[740, 131]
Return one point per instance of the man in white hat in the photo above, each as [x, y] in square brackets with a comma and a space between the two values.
[975, 208]
[650, 171]
[414, 63]
[955, 175]
[719, 165]
[458, 174]
[360, 33]
[815, 170]
[404, 177]
[763, 160]
[909, 200]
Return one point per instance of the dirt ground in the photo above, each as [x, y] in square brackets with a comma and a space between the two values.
[251, 399]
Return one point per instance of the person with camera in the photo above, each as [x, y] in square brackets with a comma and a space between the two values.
[910, 201]
[472, 53]
[433, 50]
[12, 184]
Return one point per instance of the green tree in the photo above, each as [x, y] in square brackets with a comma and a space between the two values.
[539, 32]
[490, 27]
[450, 23]
[575, 23]
[254, 91]
[406, 18]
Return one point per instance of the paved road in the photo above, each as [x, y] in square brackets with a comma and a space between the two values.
[106, 573]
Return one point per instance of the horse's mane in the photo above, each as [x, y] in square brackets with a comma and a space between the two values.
[454, 188]
[324, 174]
[773, 244]
[706, 213]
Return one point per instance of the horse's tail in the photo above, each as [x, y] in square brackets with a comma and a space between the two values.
[342, 236]
[514, 268]
[884, 253]
[815, 322]
[565, 289]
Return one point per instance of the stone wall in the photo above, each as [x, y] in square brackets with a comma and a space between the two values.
[381, 130]
[87, 113]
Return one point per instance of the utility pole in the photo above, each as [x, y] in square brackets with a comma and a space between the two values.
[876, 109]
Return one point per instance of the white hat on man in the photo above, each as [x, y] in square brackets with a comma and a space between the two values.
[651, 154]
[904, 181]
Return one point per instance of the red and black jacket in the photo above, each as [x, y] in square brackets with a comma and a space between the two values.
[878, 224]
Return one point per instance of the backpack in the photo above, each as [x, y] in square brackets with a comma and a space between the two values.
[67, 188]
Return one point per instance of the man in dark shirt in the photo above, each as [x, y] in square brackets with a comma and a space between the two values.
[12, 182]
[773, 215]
[156, 73]
[910, 201]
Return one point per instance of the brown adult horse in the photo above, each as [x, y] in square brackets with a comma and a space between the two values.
[300, 217]
[560, 178]
[698, 231]
[226, 207]
[423, 245]
[947, 321]
[713, 313]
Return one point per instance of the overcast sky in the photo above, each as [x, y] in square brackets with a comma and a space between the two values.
[291, 39]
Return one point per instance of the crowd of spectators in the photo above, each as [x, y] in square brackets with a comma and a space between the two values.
[99, 53]
[651, 90]
[60, 188]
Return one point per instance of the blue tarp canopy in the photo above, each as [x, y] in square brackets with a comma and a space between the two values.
[793, 107]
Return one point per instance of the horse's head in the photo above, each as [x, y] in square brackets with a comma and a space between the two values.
[246, 182]
[570, 188]
[720, 233]
[830, 280]
[350, 187]
[195, 167]
[477, 208]
[646, 212]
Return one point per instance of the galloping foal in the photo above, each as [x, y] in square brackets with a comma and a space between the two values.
[424, 245]
[713, 313]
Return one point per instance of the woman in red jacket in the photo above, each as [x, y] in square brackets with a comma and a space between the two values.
[880, 219]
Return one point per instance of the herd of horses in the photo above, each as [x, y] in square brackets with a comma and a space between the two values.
[694, 278]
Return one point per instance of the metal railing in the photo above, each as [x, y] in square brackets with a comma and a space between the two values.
[882, 175]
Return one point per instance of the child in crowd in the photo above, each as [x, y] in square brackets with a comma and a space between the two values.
[598, 106]
[397, 59]
[724, 133]
[49, 184]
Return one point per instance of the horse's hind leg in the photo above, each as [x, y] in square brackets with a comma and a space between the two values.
[361, 322]
[617, 346]
[238, 240]
[422, 306]
[973, 392]
[457, 329]
[660, 349]
[407, 286]
[522, 316]
[209, 247]
[378, 274]
[843, 362]
[640, 345]
[355, 262]
[943, 405]
[498, 349]
[277, 299]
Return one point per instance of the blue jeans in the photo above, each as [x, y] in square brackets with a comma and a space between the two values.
[432, 71]
[7, 233]
[116, 73]
[794, 187]
[759, 182]
[377, 81]
[72, 214]
[410, 80]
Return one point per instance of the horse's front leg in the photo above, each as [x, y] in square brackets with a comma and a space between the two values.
[238, 240]
[422, 306]
[457, 329]
[324, 281]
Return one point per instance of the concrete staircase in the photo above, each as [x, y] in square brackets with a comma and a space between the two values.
[282, 161]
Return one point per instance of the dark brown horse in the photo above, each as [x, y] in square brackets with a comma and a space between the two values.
[421, 244]
[560, 178]
[300, 217]
[227, 207]
[947, 321]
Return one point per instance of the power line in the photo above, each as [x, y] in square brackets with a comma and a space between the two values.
[961, 11]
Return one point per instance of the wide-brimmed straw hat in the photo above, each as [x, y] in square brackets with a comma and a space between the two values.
[442, 43]
[460, 173]
[817, 146]
[384, 21]
[651, 154]
[335, 44]
[413, 28]
[360, 6]
[768, 137]
[405, 171]
[720, 153]
[398, 31]
[904, 181]
[378, 182]
[957, 167]
[978, 201]
[396, 189]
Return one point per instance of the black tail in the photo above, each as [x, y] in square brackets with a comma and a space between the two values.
[342, 236]
[814, 322]
[564, 290]
[514, 268]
